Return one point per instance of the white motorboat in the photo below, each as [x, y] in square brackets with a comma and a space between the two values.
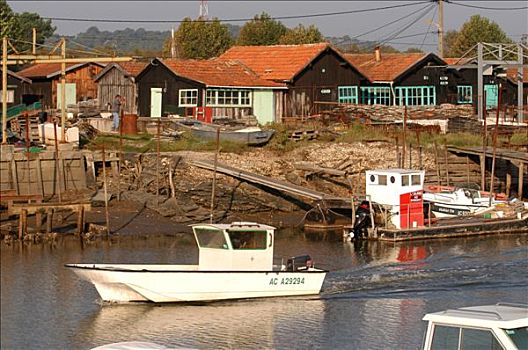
[235, 262]
[447, 202]
[501, 326]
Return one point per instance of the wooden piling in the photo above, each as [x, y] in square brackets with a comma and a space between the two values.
[105, 194]
[49, 220]
[22, 224]
[213, 190]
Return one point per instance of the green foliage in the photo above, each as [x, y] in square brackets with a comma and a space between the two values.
[8, 26]
[261, 30]
[449, 41]
[18, 27]
[477, 29]
[302, 35]
[201, 39]
[414, 50]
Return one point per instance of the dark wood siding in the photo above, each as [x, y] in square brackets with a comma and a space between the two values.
[156, 75]
[19, 87]
[319, 82]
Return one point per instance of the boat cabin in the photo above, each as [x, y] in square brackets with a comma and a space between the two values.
[239, 246]
[401, 191]
[498, 327]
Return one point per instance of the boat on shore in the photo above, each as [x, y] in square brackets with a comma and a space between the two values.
[500, 326]
[235, 262]
[250, 136]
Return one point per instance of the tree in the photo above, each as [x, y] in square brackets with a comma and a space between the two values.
[302, 35]
[449, 40]
[202, 39]
[8, 26]
[477, 29]
[18, 27]
[26, 22]
[413, 50]
[261, 30]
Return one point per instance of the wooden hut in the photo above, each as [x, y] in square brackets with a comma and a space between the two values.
[80, 84]
[206, 89]
[18, 89]
[119, 79]
[317, 75]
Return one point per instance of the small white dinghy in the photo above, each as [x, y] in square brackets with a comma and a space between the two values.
[235, 262]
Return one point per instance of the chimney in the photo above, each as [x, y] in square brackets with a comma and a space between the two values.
[377, 53]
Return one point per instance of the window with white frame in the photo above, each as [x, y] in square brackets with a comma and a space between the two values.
[347, 94]
[10, 96]
[465, 94]
[415, 95]
[375, 95]
[228, 98]
[188, 98]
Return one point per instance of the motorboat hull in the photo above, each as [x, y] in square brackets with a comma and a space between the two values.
[170, 283]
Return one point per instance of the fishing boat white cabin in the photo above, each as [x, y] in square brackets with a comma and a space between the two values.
[499, 327]
[235, 262]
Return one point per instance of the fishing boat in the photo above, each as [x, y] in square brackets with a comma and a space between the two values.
[235, 262]
[500, 326]
[452, 201]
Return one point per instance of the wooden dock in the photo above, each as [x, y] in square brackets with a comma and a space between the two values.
[514, 159]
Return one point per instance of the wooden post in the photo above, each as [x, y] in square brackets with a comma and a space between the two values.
[158, 160]
[446, 165]
[404, 135]
[492, 180]
[120, 162]
[437, 164]
[57, 182]
[34, 46]
[4, 90]
[213, 190]
[482, 171]
[22, 224]
[420, 156]
[80, 220]
[49, 220]
[521, 176]
[63, 91]
[105, 195]
[29, 191]
[410, 155]
[38, 221]
[508, 178]
[467, 168]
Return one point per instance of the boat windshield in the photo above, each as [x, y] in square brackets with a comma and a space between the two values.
[210, 238]
[519, 337]
[247, 239]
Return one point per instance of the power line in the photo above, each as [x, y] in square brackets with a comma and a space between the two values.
[395, 34]
[428, 28]
[239, 19]
[489, 8]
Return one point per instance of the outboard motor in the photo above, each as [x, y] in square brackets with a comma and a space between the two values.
[297, 263]
[362, 221]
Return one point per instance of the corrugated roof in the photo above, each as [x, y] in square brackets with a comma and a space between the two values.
[48, 70]
[218, 72]
[390, 67]
[276, 62]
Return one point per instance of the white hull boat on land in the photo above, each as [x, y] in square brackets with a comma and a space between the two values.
[235, 262]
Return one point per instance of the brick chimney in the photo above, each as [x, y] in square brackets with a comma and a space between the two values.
[377, 53]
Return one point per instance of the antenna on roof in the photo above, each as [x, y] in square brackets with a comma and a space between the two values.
[204, 10]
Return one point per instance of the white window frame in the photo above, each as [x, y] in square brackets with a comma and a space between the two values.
[10, 96]
[188, 98]
[228, 98]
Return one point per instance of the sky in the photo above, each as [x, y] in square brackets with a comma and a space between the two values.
[513, 22]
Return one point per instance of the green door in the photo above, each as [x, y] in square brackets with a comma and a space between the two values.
[492, 95]
[71, 94]
[263, 106]
[155, 102]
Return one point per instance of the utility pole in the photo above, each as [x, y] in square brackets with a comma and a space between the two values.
[441, 28]
[63, 91]
[4, 90]
[34, 47]
[172, 47]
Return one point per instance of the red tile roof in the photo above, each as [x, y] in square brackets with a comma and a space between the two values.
[388, 68]
[133, 68]
[218, 72]
[276, 62]
[512, 73]
[48, 70]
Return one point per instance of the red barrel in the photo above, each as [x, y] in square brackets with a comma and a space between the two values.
[130, 124]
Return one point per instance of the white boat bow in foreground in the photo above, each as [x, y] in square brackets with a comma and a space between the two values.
[235, 262]
[502, 326]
